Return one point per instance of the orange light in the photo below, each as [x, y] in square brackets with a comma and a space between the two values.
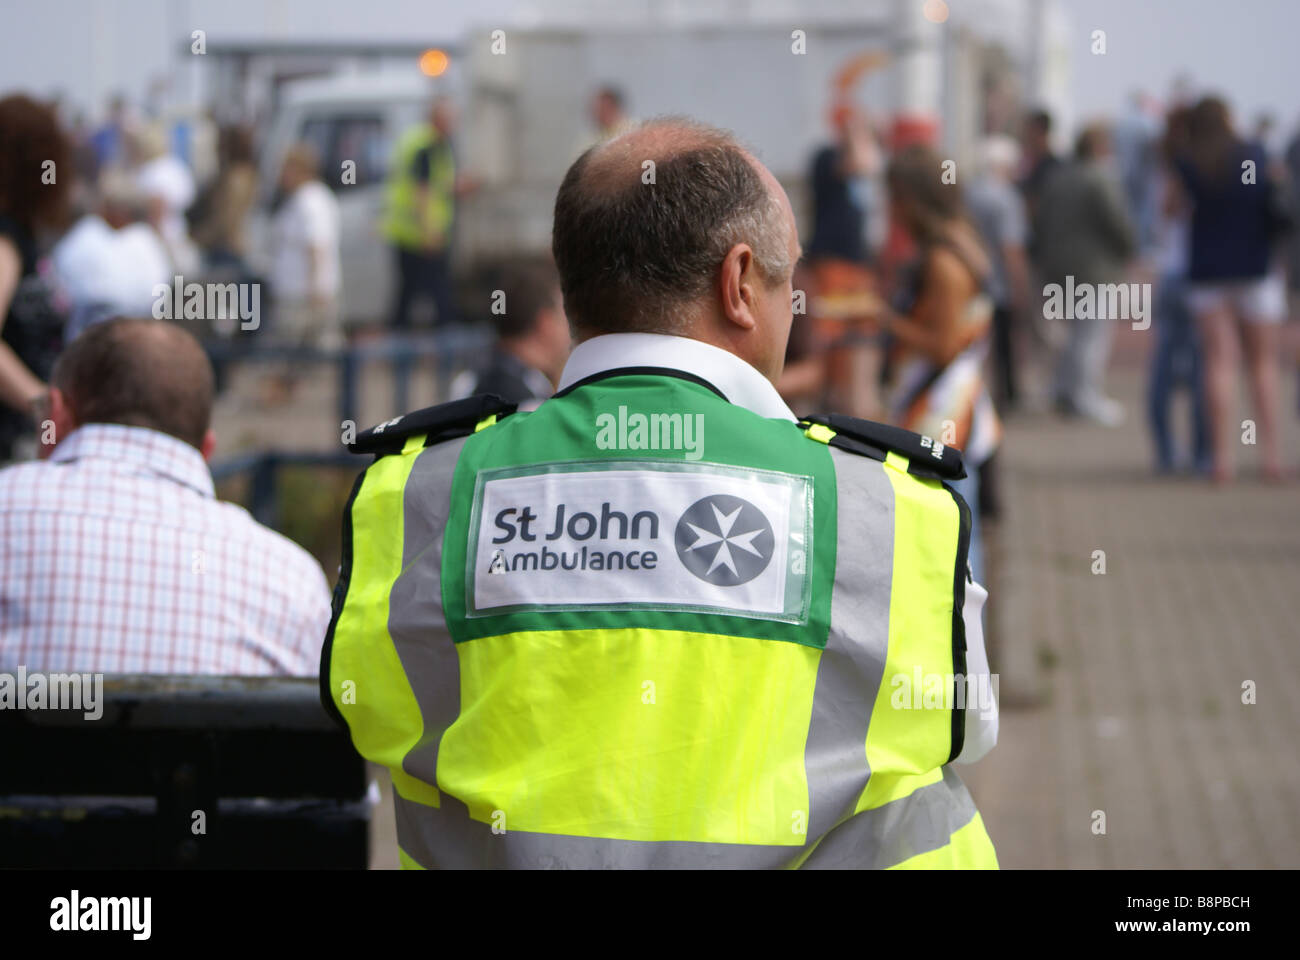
[936, 11]
[433, 63]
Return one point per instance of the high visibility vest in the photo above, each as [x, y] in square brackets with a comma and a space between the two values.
[403, 224]
[642, 627]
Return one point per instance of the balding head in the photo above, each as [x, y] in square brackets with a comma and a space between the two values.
[140, 373]
[645, 222]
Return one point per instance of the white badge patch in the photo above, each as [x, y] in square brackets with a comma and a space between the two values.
[640, 534]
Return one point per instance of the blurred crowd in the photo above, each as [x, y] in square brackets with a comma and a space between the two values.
[939, 300]
[136, 203]
[924, 298]
[117, 553]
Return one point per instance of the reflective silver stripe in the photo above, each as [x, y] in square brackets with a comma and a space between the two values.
[922, 821]
[852, 666]
[447, 838]
[883, 837]
[848, 681]
[415, 616]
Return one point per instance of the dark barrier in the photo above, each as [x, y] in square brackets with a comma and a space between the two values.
[448, 347]
[263, 470]
[210, 772]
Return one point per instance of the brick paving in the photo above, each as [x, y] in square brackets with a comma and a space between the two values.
[1123, 692]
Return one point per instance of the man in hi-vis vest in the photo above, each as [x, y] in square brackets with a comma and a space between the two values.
[420, 213]
[659, 621]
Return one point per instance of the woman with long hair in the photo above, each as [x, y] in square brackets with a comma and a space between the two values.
[939, 335]
[35, 167]
[1235, 294]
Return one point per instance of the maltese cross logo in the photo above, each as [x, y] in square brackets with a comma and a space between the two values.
[724, 540]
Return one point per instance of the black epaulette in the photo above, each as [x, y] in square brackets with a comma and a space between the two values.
[446, 421]
[926, 457]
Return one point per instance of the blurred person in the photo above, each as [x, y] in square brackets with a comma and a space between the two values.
[1291, 165]
[421, 214]
[1084, 232]
[1038, 162]
[532, 339]
[169, 186]
[84, 162]
[118, 556]
[505, 681]
[1177, 358]
[305, 271]
[1135, 138]
[1182, 91]
[803, 384]
[608, 113]
[220, 228]
[606, 118]
[110, 261]
[939, 334]
[843, 192]
[998, 213]
[846, 209]
[1265, 130]
[1234, 292]
[110, 142]
[195, 137]
[31, 326]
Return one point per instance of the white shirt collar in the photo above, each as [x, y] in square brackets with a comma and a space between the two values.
[740, 383]
[137, 448]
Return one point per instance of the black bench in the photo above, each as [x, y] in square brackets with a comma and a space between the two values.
[277, 782]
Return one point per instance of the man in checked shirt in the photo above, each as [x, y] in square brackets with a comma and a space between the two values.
[115, 554]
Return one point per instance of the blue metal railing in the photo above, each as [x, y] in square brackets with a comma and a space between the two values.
[263, 468]
[448, 347]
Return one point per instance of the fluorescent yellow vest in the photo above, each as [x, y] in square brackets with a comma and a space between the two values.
[741, 713]
[403, 224]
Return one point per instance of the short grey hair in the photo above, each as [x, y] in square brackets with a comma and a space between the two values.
[632, 254]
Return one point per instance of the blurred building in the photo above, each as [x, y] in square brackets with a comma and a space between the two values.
[734, 65]
[524, 78]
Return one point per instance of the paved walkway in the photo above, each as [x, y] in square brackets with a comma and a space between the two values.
[1123, 692]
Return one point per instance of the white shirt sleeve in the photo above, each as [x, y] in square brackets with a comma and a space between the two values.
[320, 231]
[980, 687]
[317, 219]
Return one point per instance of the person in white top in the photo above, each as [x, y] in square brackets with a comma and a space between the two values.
[304, 273]
[169, 186]
[110, 261]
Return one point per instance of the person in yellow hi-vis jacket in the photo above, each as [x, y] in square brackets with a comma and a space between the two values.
[659, 621]
[420, 213]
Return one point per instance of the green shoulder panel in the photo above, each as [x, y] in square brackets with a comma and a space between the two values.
[595, 427]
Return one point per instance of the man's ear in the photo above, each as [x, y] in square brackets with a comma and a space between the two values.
[209, 444]
[736, 282]
[61, 419]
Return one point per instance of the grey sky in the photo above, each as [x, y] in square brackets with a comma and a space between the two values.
[1245, 48]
